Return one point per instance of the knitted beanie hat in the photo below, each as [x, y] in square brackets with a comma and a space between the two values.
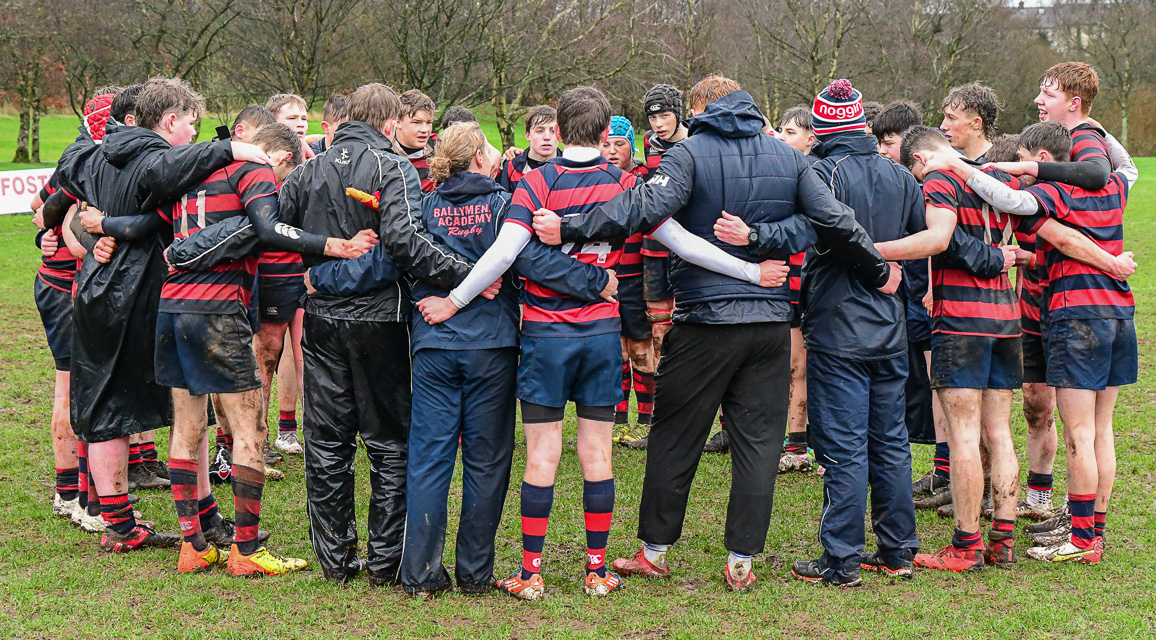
[837, 109]
[96, 113]
[620, 127]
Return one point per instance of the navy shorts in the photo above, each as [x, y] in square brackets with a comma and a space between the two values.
[656, 278]
[587, 371]
[975, 362]
[1035, 358]
[206, 353]
[280, 297]
[632, 309]
[55, 306]
[1092, 354]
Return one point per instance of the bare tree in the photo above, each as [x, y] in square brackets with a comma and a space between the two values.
[25, 57]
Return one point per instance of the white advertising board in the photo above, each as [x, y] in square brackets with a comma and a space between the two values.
[17, 188]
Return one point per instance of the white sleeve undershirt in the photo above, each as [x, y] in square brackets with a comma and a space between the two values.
[1001, 196]
[699, 252]
[512, 238]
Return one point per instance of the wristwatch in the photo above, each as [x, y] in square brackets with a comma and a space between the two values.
[753, 236]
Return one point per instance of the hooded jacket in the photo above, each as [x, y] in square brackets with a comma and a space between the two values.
[727, 163]
[114, 391]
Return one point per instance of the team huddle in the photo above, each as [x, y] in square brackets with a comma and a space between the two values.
[832, 287]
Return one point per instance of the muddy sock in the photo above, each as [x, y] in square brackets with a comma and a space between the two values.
[287, 422]
[248, 485]
[536, 505]
[942, 460]
[67, 483]
[134, 456]
[117, 513]
[736, 559]
[82, 474]
[1003, 526]
[598, 504]
[965, 541]
[654, 552]
[1100, 520]
[208, 512]
[797, 443]
[183, 476]
[224, 440]
[644, 393]
[148, 451]
[93, 496]
[1039, 488]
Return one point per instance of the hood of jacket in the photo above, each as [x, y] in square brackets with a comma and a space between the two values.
[122, 143]
[357, 131]
[465, 185]
[851, 143]
[732, 116]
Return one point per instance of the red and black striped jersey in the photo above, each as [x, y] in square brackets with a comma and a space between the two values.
[226, 288]
[630, 265]
[280, 264]
[1031, 285]
[513, 170]
[1087, 143]
[795, 275]
[1076, 290]
[653, 147]
[59, 271]
[419, 158]
[965, 304]
[568, 187]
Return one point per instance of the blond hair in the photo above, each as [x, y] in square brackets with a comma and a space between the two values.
[456, 148]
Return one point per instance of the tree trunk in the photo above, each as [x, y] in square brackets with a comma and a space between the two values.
[22, 139]
[1124, 108]
[34, 125]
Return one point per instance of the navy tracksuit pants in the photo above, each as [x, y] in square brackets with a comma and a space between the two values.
[856, 412]
[468, 394]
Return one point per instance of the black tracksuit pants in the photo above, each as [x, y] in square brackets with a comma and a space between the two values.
[357, 381]
[746, 369]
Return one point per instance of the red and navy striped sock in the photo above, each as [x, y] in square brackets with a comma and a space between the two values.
[183, 476]
[82, 474]
[797, 443]
[148, 451]
[117, 513]
[1083, 508]
[965, 541]
[1003, 526]
[1099, 520]
[93, 497]
[722, 421]
[224, 440]
[942, 460]
[67, 483]
[536, 505]
[644, 392]
[622, 410]
[208, 512]
[248, 485]
[134, 455]
[598, 503]
[287, 422]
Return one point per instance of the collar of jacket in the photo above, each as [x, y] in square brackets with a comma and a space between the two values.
[563, 161]
[464, 185]
[851, 143]
[123, 143]
[356, 131]
[734, 115]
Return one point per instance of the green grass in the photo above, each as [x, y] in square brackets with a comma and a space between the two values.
[55, 582]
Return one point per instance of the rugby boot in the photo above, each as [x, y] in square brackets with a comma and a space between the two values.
[141, 477]
[531, 588]
[1034, 512]
[741, 579]
[159, 468]
[640, 444]
[950, 558]
[262, 562]
[222, 533]
[221, 468]
[1000, 549]
[1068, 552]
[595, 585]
[935, 500]
[719, 443]
[141, 537]
[288, 442]
[65, 508]
[639, 566]
[929, 484]
[193, 561]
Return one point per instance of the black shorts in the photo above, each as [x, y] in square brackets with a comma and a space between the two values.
[206, 353]
[975, 362]
[796, 315]
[1035, 358]
[632, 309]
[55, 306]
[656, 279]
[280, 297]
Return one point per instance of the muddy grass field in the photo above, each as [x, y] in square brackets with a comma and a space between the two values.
[55, 582]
